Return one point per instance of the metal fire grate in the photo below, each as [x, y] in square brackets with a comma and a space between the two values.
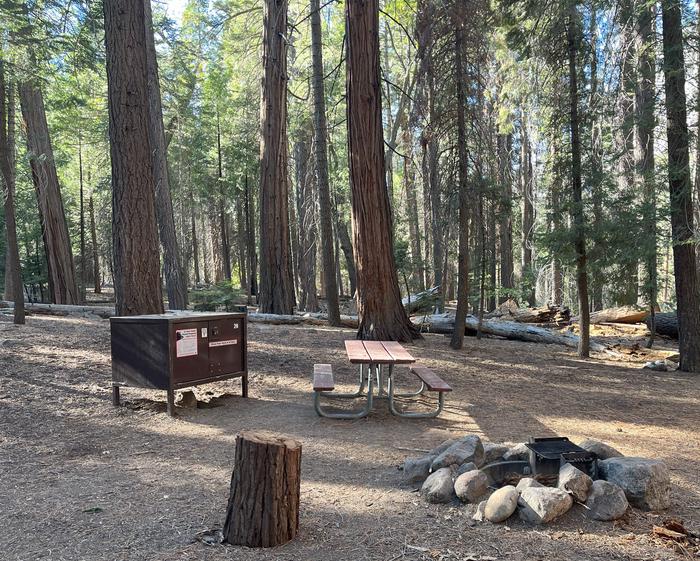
[547, 455]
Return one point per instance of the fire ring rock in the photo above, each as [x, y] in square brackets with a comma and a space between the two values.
[467, 449]
[606, 501]
[646, 482]
[502, 504]
[438, 488]
[574, 481]
[540, 505]
[600, 449]
[471, 486]
[417, 470]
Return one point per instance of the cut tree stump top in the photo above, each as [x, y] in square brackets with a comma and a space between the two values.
[377, 352]
[267, 437]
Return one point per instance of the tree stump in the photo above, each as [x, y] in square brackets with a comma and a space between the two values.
[263, 505]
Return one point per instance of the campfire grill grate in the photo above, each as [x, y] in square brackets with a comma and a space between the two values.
[547, 455]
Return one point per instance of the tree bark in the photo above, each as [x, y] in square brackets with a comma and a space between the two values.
[175, 281]
[684, 265]
[276, 280]
[463, 257]
[307, 228]
[321, 153]
[528, 221]
[97, 278]
[505, 227]
[137, 285]
[263, 506]
[378, 298]
[577, 214]
[644, 149]
[14, 289]
[63, 282]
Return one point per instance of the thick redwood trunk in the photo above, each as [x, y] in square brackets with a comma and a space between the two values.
[684, 265]
[263, 506]
[63, 282]
[14, 289]
[276, 280]
[378, 298]
[137, 285]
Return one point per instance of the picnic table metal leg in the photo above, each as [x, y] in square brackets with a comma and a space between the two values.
[339, 415]
[358, 393]
[416, 414]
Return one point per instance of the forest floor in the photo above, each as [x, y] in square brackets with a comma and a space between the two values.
[82, 480]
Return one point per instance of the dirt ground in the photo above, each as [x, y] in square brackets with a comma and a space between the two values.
[82, 480]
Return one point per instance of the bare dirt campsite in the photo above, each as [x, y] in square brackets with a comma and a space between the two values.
[81, 479]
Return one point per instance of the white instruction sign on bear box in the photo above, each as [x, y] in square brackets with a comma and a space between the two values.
[185, 342]
[224, 343]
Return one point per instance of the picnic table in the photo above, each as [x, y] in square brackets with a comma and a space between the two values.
[376, 361]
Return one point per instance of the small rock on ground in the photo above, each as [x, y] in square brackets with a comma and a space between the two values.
[471, 486]
[539, 505]
[502, 504]
[187, 399]
[574, 481]
[600, 449]
[438, 488]
[646, 482]
[606, 501]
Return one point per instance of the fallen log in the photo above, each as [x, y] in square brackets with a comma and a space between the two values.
[623, 314]
[509, 310]
[444, 323]
[61, 309]
[421, 302]
[665, 323]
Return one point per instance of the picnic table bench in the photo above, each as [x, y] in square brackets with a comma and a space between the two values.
[376, 361]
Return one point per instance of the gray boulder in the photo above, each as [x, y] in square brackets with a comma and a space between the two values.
[471, 486]
[646, 482]
[467, 449]
[438, 488]
[440, 448]
[493, 452]
[539, 505]
[526, 482]
[574, 481]
[600, 449]
[501, 505]
[606, 501]
[516, 453]
[465, 467]
[417, 470]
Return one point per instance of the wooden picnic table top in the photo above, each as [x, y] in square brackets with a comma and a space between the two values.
[377, 352]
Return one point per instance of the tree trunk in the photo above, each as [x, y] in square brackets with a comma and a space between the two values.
[409, 175]
[14, 289]
[263, 505]
[680, 189]
[97, 279]
[221, 205]
[505, 228]
[644, 150]
[137, 285]
[306, 228]
[175, 281]
[276, 280]
[463, 257]
[252, 289]
[379, 306]
[528, 222]
[664, 324]
[63, 284]
[241, 241]
[321, 153]
[577, 216]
